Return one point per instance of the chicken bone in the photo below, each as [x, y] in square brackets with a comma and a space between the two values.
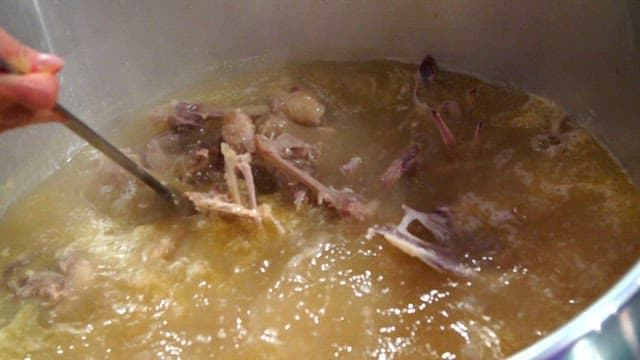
[238, 131]
[446, 134]
[346, 202]
[440, 257]
[214, 202]
[233, 204]
[404, 163]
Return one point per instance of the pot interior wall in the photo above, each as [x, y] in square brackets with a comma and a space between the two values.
[121, 55]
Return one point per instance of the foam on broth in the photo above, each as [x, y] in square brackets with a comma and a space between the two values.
[170, 286]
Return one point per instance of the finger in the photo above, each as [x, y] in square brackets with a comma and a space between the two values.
[34, 91]
[25, 59]
[14, 116]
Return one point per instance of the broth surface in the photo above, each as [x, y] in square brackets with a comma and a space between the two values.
[550, 222]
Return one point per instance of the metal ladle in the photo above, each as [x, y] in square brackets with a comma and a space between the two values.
[81, 129]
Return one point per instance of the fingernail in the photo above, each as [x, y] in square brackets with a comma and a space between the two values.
[47, 63]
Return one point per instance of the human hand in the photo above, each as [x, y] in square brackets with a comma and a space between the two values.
[28, 97]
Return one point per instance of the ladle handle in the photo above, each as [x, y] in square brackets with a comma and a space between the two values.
[88, 134]
[85, 132]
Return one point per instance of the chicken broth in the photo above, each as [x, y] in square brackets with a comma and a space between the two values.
[527, 220]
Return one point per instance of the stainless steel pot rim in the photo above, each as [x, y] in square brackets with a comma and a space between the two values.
[567, 337]
[570, 59]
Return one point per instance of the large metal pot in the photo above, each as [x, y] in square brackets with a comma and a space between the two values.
[123, 54]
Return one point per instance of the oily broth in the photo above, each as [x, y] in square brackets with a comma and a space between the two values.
[169, 286]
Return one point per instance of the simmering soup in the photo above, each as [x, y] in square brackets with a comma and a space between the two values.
[356, 210]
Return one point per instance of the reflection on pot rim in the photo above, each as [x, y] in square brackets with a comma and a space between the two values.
[582, 335]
